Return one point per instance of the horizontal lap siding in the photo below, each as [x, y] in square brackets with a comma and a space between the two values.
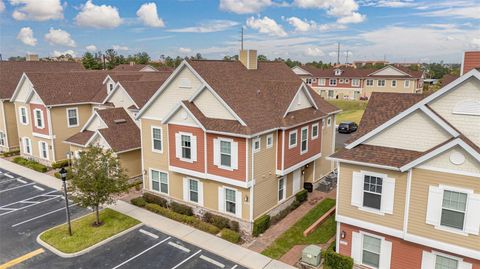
[293, 156]
[237, 174]
[153, 160]
[199, 164]
[131, 161]
[35, 129]
[421, 180]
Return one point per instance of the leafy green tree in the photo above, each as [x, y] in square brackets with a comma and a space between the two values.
[262, 57]
[141, 58]
[96, 179]
[90, 62]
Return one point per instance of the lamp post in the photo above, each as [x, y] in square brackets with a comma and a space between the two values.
[63, 174]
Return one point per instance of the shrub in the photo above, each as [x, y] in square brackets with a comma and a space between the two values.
[60, 164]
[190, 220]
[337, 261]
[181, 209]
[260, 225]
[219, 221]
[282, 214]
[301, 196]
[230, 235]
[11, 153]
[234, 225]
[20, 160]
[30, 164]
[139, 201]
[57, 174]
[154, 199]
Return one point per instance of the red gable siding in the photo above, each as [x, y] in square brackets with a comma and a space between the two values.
[471, 60]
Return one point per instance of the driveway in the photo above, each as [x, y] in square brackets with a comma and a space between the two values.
[340, 140]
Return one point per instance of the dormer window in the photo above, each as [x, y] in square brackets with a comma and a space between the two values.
[338, 72]
[109, 87]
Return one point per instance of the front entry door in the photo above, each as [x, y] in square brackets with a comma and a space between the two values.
[297, 180]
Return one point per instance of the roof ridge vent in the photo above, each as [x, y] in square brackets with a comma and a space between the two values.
[118, 121]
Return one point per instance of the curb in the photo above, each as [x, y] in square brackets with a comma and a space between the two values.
[90, 248]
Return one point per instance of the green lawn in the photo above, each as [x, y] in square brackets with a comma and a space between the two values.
[294, 235]
[351, 110]
[84, 234]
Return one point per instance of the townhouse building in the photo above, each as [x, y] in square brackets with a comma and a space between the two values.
[237, 138]
[10, 73]
[354, 83]
[408, 193]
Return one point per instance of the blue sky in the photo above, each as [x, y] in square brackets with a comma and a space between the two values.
[398, 30]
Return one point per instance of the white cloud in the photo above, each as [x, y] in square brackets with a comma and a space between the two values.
[476, 43]
[345, 10]
[266, 25]
[147, 13]
[391, 3]
[467, 12]
[185, 50]
[2, 6]
[207, 27]
[355, 17]
[314, 52]
[91, 48]
[103, 16]
[301, 25]
[26, 36]
[59, 37]
[244, 6]
[57, 53]
[37, 10]
[119, 47]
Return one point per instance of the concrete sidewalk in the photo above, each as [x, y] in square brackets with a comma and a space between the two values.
[212, 243]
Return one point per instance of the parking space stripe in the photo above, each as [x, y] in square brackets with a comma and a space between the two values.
[38, 188]
[10, 180]
[16, 209]
[44, 194]
[8, 175]
[141, 253]
[43, 215]
[184, 261]
[22, 258]
[235, 266]
[18, 187]
[148, 233]
[212, 261]
[182, 248]
[21, 181]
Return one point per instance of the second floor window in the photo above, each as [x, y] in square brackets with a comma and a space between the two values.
[355, 82]
[72, 114]
[309, 81]
[23, 115]
[269, 141]
[38, 118]
[315, 131]
[157, 139]
[454, 205]
[186, 147]
[292, 139]
[226, 153]
[381, 83]
[304, 140]
[369, 82]
[321, 81]
[406, 84]
[256, 145]
[394, 83]
[372, 192]
[333, 82]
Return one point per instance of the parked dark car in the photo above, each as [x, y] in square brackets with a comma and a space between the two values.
[347, 127]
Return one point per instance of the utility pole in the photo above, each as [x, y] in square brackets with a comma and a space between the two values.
[338, 53]
[241, 39]
[346, 57]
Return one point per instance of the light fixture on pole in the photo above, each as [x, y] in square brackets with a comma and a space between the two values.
[63, 174]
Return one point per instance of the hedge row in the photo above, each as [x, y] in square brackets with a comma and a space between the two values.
[230, 235]
[337, 261]
[260, 225]
[60, 164]
[221, 222]
[11, 153]
[30, 164]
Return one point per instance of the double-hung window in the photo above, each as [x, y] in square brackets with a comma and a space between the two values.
[2, 139]
[369, 82]
[371, 251]
[269, 141]
[321, 81]
[309, 81]
[381, 83]
[406, 84]
[281, 189]
[38, 114]
[453, 209]
[256, 144]
[230, 201]
[304, 140]
[225, 153]
[23, 115]
[159, 181]
[27, 145]
[329, 121]
[442, 262]
[331, 93]
[193, 190]
[355, 82]
[156, 139]
[333, 82]
[186, 147]
[72, 117]
[394, 83]
[292, 139]
[372, 192]
[315, 131]
[43, 149]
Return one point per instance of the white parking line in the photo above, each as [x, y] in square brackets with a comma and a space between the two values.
[44, 194]
[141, 253]
[184, 261]
[8, 175]
[9, 180]
[38, 188]
[16, 209]
[21, 181]
[235, 266]
[179, 247]
[18, 187]
[43, 215]
[148, 233]
[212, 261]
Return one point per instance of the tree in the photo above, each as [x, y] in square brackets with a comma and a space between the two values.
[262, 57]
[96, 178]
[89, 62]
[141, 58]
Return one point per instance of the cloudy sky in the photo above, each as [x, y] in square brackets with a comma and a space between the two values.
[398, 30]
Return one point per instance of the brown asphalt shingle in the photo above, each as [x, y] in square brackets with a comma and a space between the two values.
[141, 91]
[351, 72]
[80, 138]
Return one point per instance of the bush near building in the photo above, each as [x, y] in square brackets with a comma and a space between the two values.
[31, 164]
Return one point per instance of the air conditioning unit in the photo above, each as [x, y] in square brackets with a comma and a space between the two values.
[312, 255]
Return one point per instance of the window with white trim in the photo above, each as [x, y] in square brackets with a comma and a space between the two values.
[309, 81]
[193, 190]
[437, 260]
[331, 93]
[72, 117]
[304, 140]
[369, 82]
[3, 141]
[292, 139]
[372, 192]
[315, 131]
[381, 83]
[329, 121]
[43, 149]
[454, 205]
[406, 84]
[355, 82]
[321, 81]
[394, 83]
[256, 144]
[38, 115]
[159, 181]
[269, 141]
[442, 262]
[371, 251]
[323, 123]
[27, 145]
[333, 82]
[156, 139]
[22, 113]
[225, 153]
[230, 201]
[281, 189]
[186, 146]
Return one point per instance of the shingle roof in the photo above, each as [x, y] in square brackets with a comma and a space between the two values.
[80, 138]
[11, 71]
[259, 97]
[141, 91]
[130, 67]
[351, 72]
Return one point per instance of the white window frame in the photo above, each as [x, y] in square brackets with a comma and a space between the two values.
[220, 165]
[269, 138]
[35, 118]
[382, 177]
[315, 125]
[369, 82]
[355, 82]
[161, 139]
[225, 201]
[190, 190]
[323, 124]
[284, 189]
[392, 82]
[464, 212]
[308, 81]
[290, 145]
[185, 83]
[27, 142]
[77, 116]
[406, 83]
[255, 141]
[40, 150]
[330, 82]
[303, 151]
[191, 147]
[321, 81]
[378, 83]
[329, 121]
[159, 181]
[3, 138]
[20, 111]
[363, 234]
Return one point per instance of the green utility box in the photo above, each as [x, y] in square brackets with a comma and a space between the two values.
[312, 255]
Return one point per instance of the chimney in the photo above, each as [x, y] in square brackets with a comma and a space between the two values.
[471, 60]
[31, 57]
[249, 59]
[132, 63]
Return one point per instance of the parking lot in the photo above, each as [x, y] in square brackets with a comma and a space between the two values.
[28, 208]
